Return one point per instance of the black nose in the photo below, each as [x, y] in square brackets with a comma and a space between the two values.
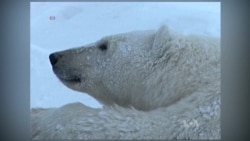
[54, 58]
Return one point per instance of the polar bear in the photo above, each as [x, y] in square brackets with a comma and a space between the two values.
[153, 84]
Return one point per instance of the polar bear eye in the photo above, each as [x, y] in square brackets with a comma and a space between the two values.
[103, 46]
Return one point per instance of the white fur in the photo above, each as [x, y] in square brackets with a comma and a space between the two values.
[155, 85]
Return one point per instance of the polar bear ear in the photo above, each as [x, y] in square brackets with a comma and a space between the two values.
[161, 36]
[161, 39]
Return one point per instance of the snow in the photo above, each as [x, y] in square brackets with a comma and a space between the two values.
[79, 23]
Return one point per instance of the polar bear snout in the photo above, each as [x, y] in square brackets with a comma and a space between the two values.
[65, 69]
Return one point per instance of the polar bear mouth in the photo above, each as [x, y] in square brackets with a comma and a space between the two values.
[72, 79]
[64, 77]
[69, 76]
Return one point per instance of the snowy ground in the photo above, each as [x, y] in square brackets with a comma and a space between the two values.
[76, 24]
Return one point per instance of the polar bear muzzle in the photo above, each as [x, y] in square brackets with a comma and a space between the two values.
[64, 73]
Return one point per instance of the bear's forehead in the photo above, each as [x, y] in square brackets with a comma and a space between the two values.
[130, 35]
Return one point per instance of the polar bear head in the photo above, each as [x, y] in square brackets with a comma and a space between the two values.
[125, 69]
